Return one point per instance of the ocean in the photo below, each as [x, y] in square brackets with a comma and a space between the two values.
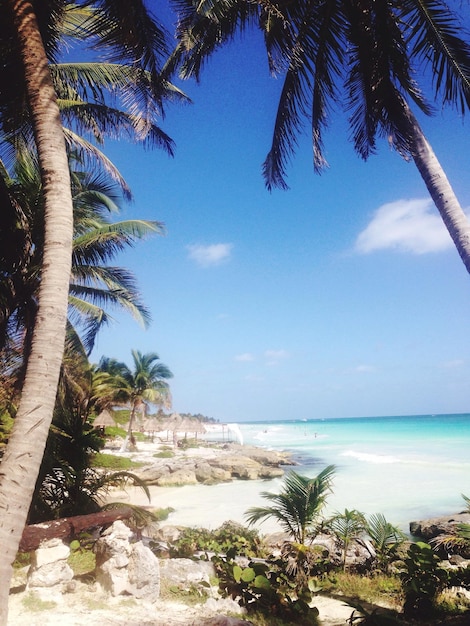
[407, 468]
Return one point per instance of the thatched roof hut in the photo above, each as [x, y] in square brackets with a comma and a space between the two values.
[105, 418]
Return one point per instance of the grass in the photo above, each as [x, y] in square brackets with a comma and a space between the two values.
[82, 562]
[164, 454]
[378, 589]
[32, 603]
[114, 462]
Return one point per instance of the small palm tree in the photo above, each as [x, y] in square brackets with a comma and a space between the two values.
[386, 539]
[298, 506]
[346, 527]
[146, 383]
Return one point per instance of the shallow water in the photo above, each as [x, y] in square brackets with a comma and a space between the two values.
[407, 468]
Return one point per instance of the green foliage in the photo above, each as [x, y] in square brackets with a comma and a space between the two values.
[114, 431]
[231, 539]
[33, 603]
[164, 454]
[113, 461]
[298, 506]
[266, 587]
[346, 527]
[372, 589]
[386, 540]
[422, 580]
[162, 514]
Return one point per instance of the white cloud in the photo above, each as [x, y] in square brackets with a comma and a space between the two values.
[454, 364]
[361, 369]
[205, 256]
[274, 356]
[245, 357]
[406, 225]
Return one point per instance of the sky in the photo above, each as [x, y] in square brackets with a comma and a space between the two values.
[341, 297]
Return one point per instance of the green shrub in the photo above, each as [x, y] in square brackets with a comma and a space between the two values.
[113, 461]
[162, 514]
[422, 579]
[164, 454]
[115, 431]
[230, 539]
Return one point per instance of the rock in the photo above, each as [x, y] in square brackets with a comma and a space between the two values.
[430, 528]
[126, 567]
[270, 472]
[144, 573]
[177, 478]
[49, 566]
[152, 474]
[239, 466]
[186, 571]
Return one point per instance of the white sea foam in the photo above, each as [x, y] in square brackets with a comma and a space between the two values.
[371, 458]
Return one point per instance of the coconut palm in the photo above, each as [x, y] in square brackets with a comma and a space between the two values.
[363, 55]
[27, 42]
[298, 506]
[346, 527]
[386, 539]
[95, 286]
[145, 384]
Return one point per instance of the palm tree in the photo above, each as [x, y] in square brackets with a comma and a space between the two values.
[27, 42]
[346, 527]
[298, 506]
[386, 539]
[137, 387]
[364, 55]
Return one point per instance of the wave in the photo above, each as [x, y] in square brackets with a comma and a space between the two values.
[371, 458]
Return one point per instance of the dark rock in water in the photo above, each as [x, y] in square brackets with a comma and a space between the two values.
[430, 528]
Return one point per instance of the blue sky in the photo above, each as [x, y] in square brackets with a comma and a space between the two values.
[343, 296]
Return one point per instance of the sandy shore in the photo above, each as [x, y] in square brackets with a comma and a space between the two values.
[206, 506]
[195, 505]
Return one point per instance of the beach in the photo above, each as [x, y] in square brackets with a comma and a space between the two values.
[408, 468]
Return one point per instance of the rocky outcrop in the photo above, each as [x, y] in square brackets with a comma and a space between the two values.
[125, 566]
[230, 462]
[433, 527]
[49, 567]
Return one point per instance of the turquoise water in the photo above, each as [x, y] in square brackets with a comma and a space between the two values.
[406, 467]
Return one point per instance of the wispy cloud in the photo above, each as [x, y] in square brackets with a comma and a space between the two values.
[406, 225]
[364, 369]
[214, 254]
[274, 356]
[456, 363]
[245, 357]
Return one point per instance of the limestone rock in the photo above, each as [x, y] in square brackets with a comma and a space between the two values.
[178, 477]
[186, 571]
[124, 566]
[49, 566]
[430, 528]
[239, 466]
[144, 573]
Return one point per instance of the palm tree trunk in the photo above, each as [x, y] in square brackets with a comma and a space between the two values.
[439, 187]
[21, 463]
[125, 444]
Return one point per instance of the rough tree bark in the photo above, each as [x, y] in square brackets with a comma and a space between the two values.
[20, 465]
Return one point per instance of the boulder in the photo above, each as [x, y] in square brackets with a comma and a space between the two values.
[126, 566]
[239, 466]
[186, 571]
[430, 528]
[178, 477]
[270, 472]
[152, 474]
[49, 566]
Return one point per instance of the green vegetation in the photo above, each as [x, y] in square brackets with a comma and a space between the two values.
[34, 604]
[164, 454]
[113, 461]
[297, 508]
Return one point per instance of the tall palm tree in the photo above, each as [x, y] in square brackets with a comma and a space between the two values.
[145, 384]
[298, 506]
[27, 41]
[362, 54]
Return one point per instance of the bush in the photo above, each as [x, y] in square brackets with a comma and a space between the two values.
[164, 454]
[113, 461]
